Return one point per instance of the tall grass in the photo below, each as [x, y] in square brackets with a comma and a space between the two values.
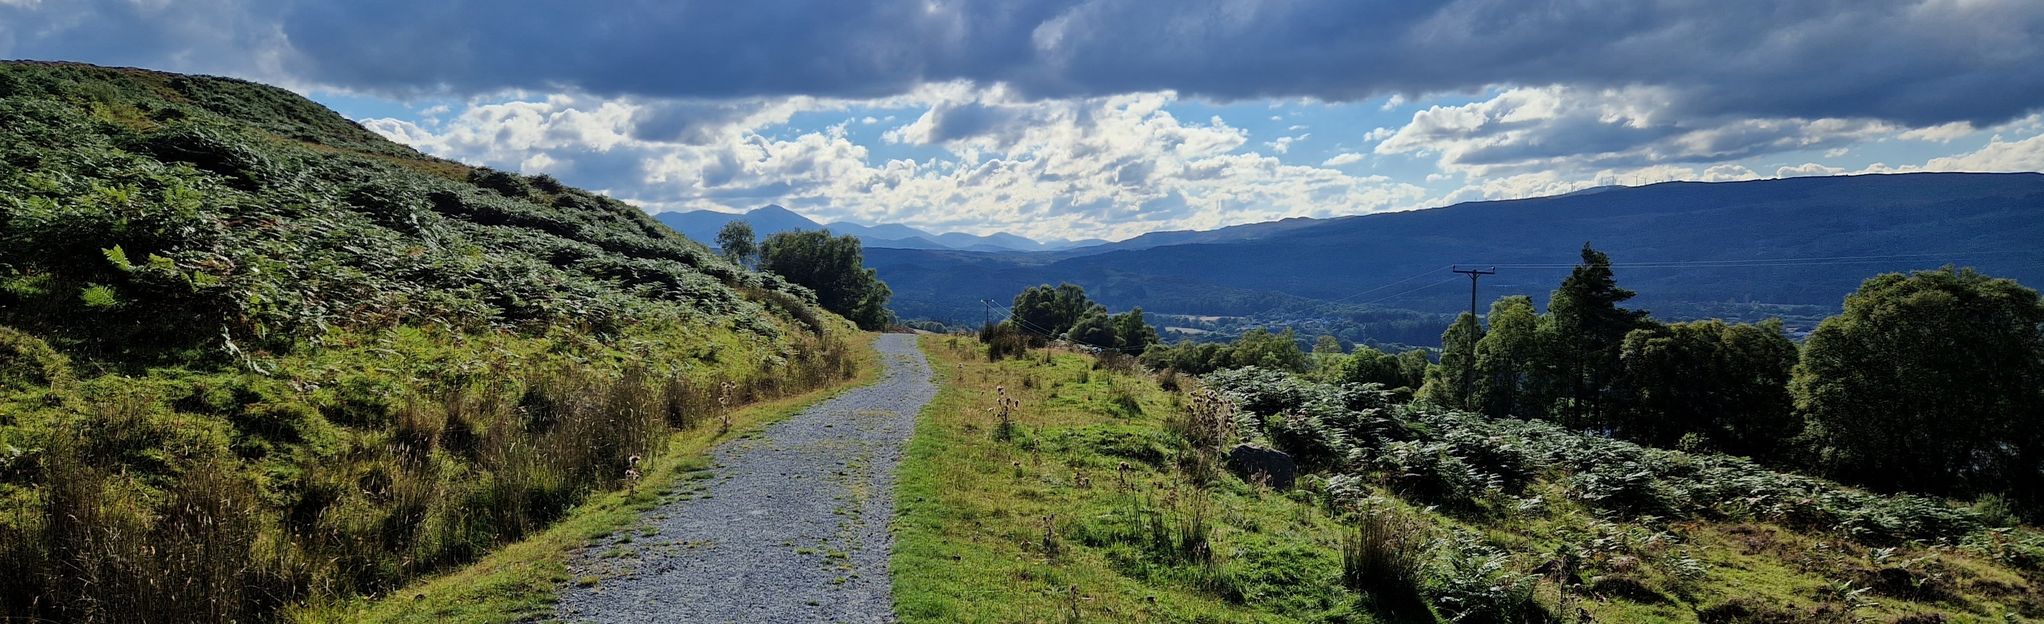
[137, 512]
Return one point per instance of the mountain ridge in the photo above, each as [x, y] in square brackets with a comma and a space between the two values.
[1690, 249]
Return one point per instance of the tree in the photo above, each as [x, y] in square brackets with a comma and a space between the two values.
[1452, 383]
[1051, 312]
[1929, 382]
[1722, 384]
[1368, 365]
[1412, 368]
[736, 242]
[1094, 328]
[1259, 347]
[1189, 357]
[1582, 332]
[1505, 358]
[1132, 333]
[833, 267]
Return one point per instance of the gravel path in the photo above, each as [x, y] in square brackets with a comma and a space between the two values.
[790, 526]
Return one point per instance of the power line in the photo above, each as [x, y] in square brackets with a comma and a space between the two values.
[1409, 291]
[1401, 281]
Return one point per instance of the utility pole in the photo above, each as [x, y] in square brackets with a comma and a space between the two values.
[1473, 274]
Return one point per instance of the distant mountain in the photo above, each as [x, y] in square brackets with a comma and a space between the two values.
[702, 225]
[1734, 249]
[1188, 237]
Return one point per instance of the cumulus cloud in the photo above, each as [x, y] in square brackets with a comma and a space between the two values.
[1557, 127]
[1807, 169]
[1344, 158]
[1912, 62]
[1941, 133]
[2000, 154]
[1283, 145]
[1114, 166]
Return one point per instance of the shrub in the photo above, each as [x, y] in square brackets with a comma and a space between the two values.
[1004, 341]
[1385, 556]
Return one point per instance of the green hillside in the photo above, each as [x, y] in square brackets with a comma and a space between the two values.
[252, 354]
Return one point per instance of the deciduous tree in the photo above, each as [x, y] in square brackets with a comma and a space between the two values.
[834, 267]
[1929, 382]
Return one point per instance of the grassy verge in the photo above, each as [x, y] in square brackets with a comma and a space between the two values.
[1082, 513]
[518, 582]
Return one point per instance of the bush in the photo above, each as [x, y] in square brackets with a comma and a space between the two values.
[1004, 341]
[1385, 556]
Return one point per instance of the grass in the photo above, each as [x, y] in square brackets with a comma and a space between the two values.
[1086, 513]
[1084, 516]
[519, 582]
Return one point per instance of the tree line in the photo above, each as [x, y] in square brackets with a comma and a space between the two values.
[1929, 382]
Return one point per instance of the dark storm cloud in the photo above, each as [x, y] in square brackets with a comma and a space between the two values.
[1917, 62]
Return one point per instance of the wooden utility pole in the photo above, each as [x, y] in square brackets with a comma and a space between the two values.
[1473, 274]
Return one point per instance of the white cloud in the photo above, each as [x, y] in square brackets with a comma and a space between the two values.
[1527, 129]
[1344, 158]
[1554, 182]
[1942, 133]
[1998, 155]
[1807, 169]
[1283, 145]
[1110, 166]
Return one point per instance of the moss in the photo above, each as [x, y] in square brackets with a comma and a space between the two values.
[28, 362]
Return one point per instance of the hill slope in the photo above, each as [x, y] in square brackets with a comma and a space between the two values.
[1691, 249]
[252, 354]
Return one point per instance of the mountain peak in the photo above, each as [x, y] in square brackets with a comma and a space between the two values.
[773, 210]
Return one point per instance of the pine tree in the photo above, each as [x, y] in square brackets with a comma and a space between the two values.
[1581, 336]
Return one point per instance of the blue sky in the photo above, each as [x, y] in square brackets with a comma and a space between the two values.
[1109, 118]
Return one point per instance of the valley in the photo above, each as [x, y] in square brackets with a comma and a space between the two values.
[259, 363]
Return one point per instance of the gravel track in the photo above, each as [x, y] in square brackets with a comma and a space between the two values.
[789, 526]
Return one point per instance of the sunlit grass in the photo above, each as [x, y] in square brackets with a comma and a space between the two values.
[519, 582]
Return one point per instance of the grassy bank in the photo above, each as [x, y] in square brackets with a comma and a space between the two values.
[519, 582]
[1082, 513]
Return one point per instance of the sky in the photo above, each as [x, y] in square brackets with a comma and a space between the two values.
[1074, 119]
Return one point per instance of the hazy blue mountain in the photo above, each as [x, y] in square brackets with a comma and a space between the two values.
[1736, 249]
[702, 225]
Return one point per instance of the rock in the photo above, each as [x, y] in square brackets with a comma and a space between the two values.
[1253, 463]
